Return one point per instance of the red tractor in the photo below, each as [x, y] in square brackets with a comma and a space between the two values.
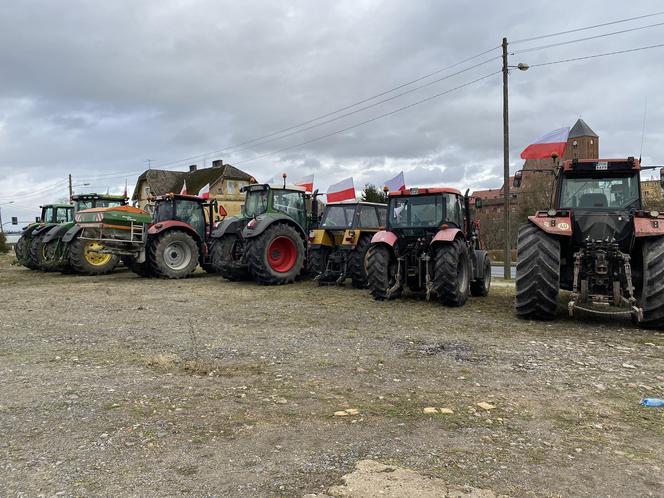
[430, 245]
[595, 241]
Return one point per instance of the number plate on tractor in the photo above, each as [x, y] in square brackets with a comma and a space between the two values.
[602, 166]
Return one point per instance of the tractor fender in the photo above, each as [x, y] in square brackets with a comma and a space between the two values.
[229, 225]
[321, 238]
[446, 235]
[477, 257]
[384, 237]
[71, 233]
[42, 229]
[264, 221]
[555, 225]
[53, 233]
[648, 227]
[162, 226]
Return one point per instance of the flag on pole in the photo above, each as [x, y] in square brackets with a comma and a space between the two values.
[307, 182]
[205, 192]
[342, 191]
[184, 188]
[125, 190]
[553, 142]
[396, 183]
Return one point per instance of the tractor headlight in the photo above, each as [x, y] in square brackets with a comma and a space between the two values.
[654, 214]
[551, 212]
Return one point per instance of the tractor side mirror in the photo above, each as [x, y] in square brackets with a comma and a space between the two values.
[37, 219]
[517, 179]
[478, 203]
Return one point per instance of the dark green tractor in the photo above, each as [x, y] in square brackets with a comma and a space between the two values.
[62, 249]
[268, 241]
[28, 245]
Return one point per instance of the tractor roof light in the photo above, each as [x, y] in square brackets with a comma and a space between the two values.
[654, 214]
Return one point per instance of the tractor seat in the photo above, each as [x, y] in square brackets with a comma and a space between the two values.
[592, 201]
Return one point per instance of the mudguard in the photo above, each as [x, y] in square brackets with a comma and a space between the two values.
[55, 232]
[648, 227]
[234, 224]
[42, 229]
[555, 225]
[384, 237]
[263, 221]
[446, 235]
[157, 228]
[71, 233]
[477, 257]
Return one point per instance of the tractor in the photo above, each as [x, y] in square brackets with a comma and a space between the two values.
[28, 247]
[61, 248]
[430, 245]
[267, 241]
[338, 247]
[169, 245]
[595, 241]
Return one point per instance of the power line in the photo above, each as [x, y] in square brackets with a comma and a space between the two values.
[32, 193]
[577, 40]
[576, 30]
[380, 116]
[597, 55]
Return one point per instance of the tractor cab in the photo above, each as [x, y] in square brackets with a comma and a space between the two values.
[198, 213]
[264, 198]
[57, 213]
[89, 201]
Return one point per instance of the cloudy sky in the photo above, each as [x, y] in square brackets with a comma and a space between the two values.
[96, 89]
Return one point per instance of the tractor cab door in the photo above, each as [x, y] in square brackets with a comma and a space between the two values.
[369, 217]
[292, 203]
[63, 215]
[48, 214]
[191, 213]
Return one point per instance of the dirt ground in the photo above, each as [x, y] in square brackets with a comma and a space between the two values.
[122, 386]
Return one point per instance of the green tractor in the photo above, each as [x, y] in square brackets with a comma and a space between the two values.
[28, 245]
[268, 241]
[62, 248]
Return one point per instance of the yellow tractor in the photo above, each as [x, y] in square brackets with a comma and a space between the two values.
[338, 247]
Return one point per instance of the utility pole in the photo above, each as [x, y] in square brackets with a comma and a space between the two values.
[71, 190]
[507, 257]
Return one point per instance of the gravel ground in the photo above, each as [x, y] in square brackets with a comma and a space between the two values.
[121, 386]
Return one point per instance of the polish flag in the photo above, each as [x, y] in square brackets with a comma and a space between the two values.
[342, 191]
[184, 188]
[553, 142]
[205, 192]
[307, 182]
[396, 183]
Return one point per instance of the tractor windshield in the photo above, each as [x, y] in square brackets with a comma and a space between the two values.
[108, 203]
[338, 216]
[425, 211]
[47, 214]
[63, 215]
[615, 191]
[290, 202]
[255, 203]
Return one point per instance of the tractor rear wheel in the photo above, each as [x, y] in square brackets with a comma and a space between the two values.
[173, 254]
[451, 273]
[481, 286]
[22, 250]
[318, 260]
[652, 286]
[84, 258]
[37, 248]
[537, 273]
[222, 255]
[357, 262]
[276, 256]
[381, 272]
[52, 257]
[208, 266]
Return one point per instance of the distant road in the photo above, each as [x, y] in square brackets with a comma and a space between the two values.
[498, 272]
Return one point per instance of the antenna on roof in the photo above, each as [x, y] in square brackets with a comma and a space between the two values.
[643, 128]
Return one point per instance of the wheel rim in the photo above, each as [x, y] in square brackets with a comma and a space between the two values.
[93, 257]
[177, 255]
[282, 254]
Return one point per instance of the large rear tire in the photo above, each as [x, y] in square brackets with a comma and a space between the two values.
[173, 254]
[318, 260]
[222, 255]
[652, 286]
[451, 274]
[481, 286]
[381, 272]
[276, 256]
[84, 260]
[537, 273]
[357, 262]
[37, 255]
[22, 249]
[53, 259]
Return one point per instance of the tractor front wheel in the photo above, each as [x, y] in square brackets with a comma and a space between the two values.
[140, 269]
[276, 256]
[223, 256]
[480, 287]
[451, 274]
[85, 259]
[652, 285]
[318, 260]
[537, 273]
[173, 254]
[381, 273]
[357, 262]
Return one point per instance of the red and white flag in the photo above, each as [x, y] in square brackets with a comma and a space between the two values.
[553, 142]
[396, 183]
[307, 182]
[184, 188]
[342, 191]
[205, 192]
